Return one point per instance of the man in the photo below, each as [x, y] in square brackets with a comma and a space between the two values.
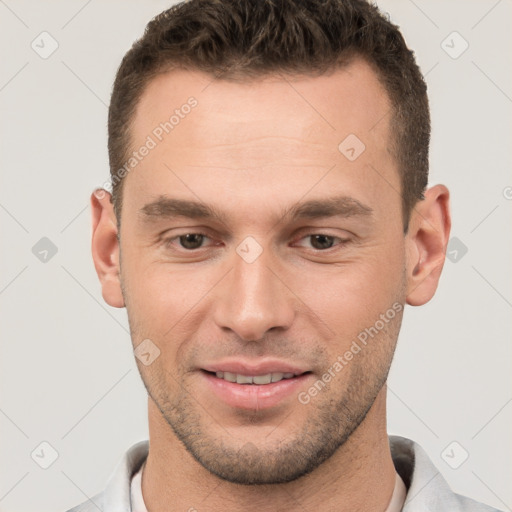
[268, 222]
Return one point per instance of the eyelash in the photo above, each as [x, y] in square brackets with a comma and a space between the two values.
[341, 241]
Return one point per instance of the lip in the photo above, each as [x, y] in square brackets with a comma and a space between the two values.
[261, 368]
[254, 396]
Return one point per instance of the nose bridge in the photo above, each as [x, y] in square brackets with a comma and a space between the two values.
[252, 299]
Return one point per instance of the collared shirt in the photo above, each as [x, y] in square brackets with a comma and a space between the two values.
[427, 490]
[137, 499]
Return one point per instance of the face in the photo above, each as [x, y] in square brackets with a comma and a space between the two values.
[253, 245]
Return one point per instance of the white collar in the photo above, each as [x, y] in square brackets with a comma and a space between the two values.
[395, 504]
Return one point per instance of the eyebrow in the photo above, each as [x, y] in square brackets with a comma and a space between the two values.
[338, 206]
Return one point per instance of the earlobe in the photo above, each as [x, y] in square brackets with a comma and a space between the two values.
[105, 247]
[426, 241]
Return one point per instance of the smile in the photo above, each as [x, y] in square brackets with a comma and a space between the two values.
[254, 392]
[267, 378]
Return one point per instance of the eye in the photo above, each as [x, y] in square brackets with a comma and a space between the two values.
[188, 241]
[321, 242]
[195, 241]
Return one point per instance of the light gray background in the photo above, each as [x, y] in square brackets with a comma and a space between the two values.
[67, 372]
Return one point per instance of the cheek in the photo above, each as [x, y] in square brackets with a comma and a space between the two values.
[148, 283]
[352, 297]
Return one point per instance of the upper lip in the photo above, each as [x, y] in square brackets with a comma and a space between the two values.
[251, 369]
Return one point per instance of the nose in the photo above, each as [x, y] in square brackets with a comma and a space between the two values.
[253, 299]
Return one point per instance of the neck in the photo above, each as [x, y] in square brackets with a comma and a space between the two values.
[359, 476]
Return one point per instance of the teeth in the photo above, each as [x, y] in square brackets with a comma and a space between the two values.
[243, 379]
[263, 379]
[231, 377]
[257, 379]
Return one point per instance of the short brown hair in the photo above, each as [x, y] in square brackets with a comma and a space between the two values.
[230, 39]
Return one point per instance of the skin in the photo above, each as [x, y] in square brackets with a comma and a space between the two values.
[252, 150]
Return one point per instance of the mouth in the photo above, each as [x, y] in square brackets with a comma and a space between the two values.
[259, 380]
[254, 391]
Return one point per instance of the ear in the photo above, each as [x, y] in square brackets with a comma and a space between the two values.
[426, 241]
[105, 247]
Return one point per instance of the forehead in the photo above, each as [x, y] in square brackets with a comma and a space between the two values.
[349, 98]
[271, 132]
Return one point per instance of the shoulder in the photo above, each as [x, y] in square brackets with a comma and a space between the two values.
[116, 495]
[91, 505]
[427, 490]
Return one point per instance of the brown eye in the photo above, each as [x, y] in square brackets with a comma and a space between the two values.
[322, 241]
[191, 240]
